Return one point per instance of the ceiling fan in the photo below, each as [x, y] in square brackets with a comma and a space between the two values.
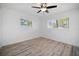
[43, 7]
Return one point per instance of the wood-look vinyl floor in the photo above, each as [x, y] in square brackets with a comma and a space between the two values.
[39, 47]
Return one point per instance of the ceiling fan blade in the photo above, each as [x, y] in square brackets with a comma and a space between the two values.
[51, 6]
[39, 11]
[35, 7]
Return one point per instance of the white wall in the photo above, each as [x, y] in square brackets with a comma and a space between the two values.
[12, 30]
[0, 27]
[71, 35]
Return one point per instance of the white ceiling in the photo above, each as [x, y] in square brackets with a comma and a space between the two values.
[27, 7]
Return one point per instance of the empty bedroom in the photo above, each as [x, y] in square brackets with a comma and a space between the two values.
[39, 29]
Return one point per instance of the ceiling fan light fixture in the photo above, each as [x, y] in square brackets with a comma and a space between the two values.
[43, 9]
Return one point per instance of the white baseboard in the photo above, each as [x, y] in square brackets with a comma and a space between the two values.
[21, 40]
